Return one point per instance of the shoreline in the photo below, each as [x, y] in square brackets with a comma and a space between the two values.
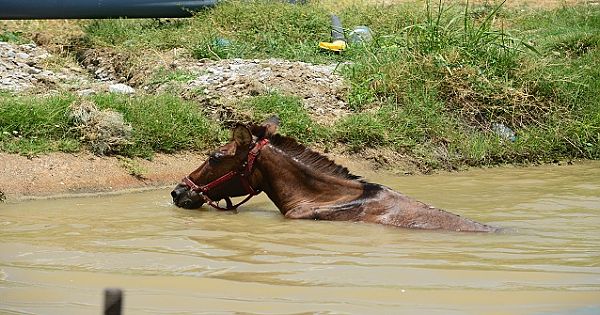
[66, 175]
[63, 175]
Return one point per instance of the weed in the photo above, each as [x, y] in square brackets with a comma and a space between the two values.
[295, 121]
[105, 130]
[12, 37]
[133, 167]
[163, 75]
[33, 125]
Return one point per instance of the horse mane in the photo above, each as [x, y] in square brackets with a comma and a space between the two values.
[310, 158]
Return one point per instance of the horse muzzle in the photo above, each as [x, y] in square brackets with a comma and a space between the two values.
[184, 197]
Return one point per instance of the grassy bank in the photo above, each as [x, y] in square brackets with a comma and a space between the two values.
[448, 85]
[34, 125]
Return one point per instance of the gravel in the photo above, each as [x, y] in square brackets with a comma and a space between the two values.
[23, 68]
[322, 91]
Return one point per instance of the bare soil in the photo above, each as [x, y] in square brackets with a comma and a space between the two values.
[63, 174]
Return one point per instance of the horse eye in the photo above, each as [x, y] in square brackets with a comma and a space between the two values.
[214, 158]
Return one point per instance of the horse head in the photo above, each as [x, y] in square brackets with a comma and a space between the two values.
[226, 173]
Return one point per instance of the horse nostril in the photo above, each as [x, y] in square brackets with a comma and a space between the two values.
[175, 194]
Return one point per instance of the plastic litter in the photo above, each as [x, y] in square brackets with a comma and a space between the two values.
[504, 131]
[360, 34]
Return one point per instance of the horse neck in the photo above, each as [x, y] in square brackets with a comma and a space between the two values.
[291, 183]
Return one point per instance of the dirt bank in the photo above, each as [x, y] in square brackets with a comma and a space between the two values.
[63, 174]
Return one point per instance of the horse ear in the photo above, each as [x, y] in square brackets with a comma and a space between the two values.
[271, 125]
[267, 129]
[241, 135]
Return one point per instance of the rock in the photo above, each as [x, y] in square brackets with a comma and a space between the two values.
[33, 70]
[121, 88]
[7, 65]
[29, 46]
[22, 55]
[85, 92]
[20, 70]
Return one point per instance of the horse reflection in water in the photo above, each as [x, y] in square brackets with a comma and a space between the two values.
[303, 184]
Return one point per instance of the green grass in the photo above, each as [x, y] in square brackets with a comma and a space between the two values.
[448, 77]
[33, 125]
[254, 29]
[12, 37]
[431, 84]
[295, 121]
[162, 124]
[167, 75]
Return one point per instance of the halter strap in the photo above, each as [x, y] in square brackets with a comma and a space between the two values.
[248, 167]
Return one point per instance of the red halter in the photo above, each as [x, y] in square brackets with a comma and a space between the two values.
[243, 175]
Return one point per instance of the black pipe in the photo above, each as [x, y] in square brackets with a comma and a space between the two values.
[99, 9]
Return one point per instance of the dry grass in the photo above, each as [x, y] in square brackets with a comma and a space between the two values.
[534, 4]
[480, 101]
[105, 130]
[55, 35]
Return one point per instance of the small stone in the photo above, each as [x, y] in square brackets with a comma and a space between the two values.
[85, 92]
[235, 67]
[33, 70]
[22, 55]
[121, 89]
[29, 46]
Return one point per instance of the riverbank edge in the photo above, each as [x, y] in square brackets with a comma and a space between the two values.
[67, 175]
[58, 174]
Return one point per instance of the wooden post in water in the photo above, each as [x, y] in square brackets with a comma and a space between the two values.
[113, 300]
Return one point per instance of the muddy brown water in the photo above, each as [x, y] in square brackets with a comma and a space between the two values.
[56, 256]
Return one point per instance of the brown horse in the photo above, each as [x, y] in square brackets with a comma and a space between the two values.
[303, 184]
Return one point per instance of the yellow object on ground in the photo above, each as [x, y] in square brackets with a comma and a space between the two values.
[337, 45]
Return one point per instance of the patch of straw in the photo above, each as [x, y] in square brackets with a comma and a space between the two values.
[104, 130]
